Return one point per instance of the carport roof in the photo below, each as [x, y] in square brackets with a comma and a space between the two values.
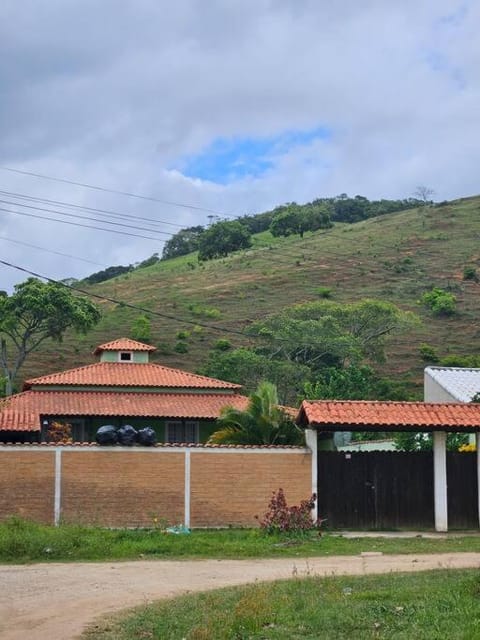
[360, 415]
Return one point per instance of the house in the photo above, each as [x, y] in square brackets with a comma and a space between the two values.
[451, 384]
[122, 387]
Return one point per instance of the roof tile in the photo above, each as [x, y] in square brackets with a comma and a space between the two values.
[123, 344]
[24, 410]
[129, 374]
[389, 414]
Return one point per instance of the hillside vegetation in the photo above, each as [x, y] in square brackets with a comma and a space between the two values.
[396, 257]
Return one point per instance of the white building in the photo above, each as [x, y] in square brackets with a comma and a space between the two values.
[450, 384]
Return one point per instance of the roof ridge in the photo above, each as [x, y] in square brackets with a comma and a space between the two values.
[189, 378]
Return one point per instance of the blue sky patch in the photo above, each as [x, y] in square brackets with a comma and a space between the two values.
[228, 159]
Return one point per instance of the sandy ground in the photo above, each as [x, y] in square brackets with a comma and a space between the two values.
[57, 601]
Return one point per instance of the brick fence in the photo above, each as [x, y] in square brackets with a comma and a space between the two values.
[199, 486]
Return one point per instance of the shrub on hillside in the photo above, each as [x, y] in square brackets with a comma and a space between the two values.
[429, 353]
[470, 273]
[439, 301]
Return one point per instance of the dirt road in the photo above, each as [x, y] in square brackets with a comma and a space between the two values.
[57, 601]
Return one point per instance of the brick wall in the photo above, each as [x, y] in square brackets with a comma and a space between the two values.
[130, 487]
[231, 488]
[116, 488]
[27, 484]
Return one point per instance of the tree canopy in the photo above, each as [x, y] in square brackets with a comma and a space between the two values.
[248, 368]
[34, 312]
[296, 219]
[327, 333]
[222, 238]
[183, 242]
[262, 422]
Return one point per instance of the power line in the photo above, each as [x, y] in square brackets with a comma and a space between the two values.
[110, 212]
[78, 224]
[122, 193]
[58, 253]
[79, 217]
[125, 304]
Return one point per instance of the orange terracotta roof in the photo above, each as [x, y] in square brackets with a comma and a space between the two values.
[25, 410]
[123, 344]
[129, 374]
[388, 415]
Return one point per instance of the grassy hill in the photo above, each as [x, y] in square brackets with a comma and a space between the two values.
[396, 257]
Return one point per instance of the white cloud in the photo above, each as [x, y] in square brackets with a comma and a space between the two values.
[114, 94]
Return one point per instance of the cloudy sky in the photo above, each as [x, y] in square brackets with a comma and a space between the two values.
[231, 106]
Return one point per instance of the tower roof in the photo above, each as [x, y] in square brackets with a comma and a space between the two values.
[123, 344]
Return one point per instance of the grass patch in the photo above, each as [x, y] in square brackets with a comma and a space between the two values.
[23, 542]
[431, 606]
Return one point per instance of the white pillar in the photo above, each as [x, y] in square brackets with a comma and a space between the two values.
[440, 480]
[311, 442]
[186, 518]
[477, 442]
[57, 502]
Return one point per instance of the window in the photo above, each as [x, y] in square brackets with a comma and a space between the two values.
[181, 431]
[125, 356]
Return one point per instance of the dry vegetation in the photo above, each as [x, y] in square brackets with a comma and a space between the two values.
[396, 257]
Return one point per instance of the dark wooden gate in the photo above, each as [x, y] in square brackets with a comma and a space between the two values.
[462, 490]
[393, 490]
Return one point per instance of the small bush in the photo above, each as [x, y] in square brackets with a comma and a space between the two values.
[182, 335]
[206, 312]
[181, 347]
[324, 292]
[141, 329]
[439, 301]
[470, 273]
[281, 518]
[428, 353]
[222, 344]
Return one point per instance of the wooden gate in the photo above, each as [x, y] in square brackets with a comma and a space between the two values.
[393, 490]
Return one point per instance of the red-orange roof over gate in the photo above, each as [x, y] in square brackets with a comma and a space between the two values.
[333, 415]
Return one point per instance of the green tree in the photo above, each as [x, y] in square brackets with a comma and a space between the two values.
[148, 262]
[412, 441]
[141, 329]
[353, 383]
[248, 368]
[327, 333]
[262, 422]
[35, 312]
[107, 274]
[184, 242]
[296, 219]
[286, 221]
[222, 238]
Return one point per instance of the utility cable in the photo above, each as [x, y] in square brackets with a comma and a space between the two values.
[116, 191]
[110, 212]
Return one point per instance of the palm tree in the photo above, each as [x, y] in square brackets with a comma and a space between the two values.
[262, 422]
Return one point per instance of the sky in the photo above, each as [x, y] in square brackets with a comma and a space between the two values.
[225, 107]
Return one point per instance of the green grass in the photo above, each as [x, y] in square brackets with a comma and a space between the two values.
[23, 542]
[396, 257]
[428, 606]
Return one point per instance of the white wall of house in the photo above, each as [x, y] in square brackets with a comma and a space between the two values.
[434, 392]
